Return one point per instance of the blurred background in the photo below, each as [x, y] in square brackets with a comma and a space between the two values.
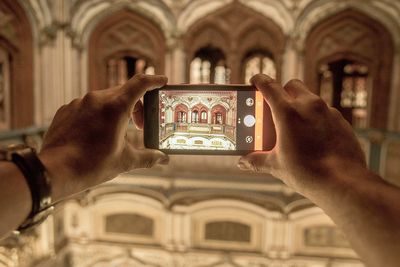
[198, 211]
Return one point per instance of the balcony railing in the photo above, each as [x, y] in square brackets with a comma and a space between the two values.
[169, 129]
[382, 148]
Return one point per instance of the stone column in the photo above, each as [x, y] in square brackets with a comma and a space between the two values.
[394, 105]
[175, 67]
[292, 64]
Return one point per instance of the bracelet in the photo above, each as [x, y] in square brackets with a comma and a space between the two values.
[33, 170]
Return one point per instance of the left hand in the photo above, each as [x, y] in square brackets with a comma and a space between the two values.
[86, 143]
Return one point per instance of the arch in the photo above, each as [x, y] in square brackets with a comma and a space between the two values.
[218, 113]
[351, 35]
[235, 29]
[181, 113]
[87, 14]
[112, 213]
[16, 38]
[124, 33]
[319, 10]
[197, 10]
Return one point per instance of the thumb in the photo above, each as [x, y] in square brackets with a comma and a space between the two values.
[260, 161]
[144, 158]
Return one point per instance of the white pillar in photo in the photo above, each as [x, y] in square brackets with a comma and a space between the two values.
[189, 116]
[209, 116]
[169, 116]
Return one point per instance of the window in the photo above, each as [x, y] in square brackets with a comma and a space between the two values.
[325, 236]
[259, 62]
[119, 70]
[129, 223]
[344, 85]
[4, 90]
[228, 231]
[218, 118]
[195, 116]
[182, 116]
[208, 66]
[203, 117]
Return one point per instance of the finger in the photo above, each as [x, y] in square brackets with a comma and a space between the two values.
[138, 85]
[260, 161]
[137, 115]
[271, 90]
[296, 88]
[147, 158]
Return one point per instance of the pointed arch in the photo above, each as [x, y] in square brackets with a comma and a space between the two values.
[352, 35]
[235, 29]
[124, 34]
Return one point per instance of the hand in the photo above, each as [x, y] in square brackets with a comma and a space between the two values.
[86, 143]
[314, 141]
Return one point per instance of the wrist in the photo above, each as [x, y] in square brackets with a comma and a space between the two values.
[339, 183]
[59, 173]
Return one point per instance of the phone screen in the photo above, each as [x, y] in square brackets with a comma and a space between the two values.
[224, 120]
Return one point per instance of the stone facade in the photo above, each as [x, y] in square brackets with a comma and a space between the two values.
[198, 211]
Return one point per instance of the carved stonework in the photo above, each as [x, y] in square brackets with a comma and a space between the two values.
[236, 30]
[351, 35]
[325, 236]
[124, 33]
[133, 224]
[228, 231]
[7, 29]
[17, 42]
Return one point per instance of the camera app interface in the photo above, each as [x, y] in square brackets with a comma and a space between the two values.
[208, 120]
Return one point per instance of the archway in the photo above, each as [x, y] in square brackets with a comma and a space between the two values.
[124, 44]
[352, 37]
[235, 30]
[16, 88]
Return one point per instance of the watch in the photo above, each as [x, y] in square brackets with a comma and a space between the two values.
[28, 162]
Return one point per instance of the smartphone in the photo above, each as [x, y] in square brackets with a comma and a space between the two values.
[207, 119]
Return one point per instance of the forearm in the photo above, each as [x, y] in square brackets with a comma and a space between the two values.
[15, 198]
[367, 209]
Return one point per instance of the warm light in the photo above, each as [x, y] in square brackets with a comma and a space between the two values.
[258, 144]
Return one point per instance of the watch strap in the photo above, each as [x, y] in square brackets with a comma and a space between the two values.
[34, 172]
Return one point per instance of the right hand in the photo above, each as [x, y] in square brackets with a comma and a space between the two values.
[314, 141]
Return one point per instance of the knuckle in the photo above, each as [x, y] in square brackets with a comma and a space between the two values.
[293, 83]
[90, 98]
[74, 102]
[318, 105]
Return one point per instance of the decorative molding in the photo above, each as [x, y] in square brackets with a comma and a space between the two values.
[352, 35]
[124, 33]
